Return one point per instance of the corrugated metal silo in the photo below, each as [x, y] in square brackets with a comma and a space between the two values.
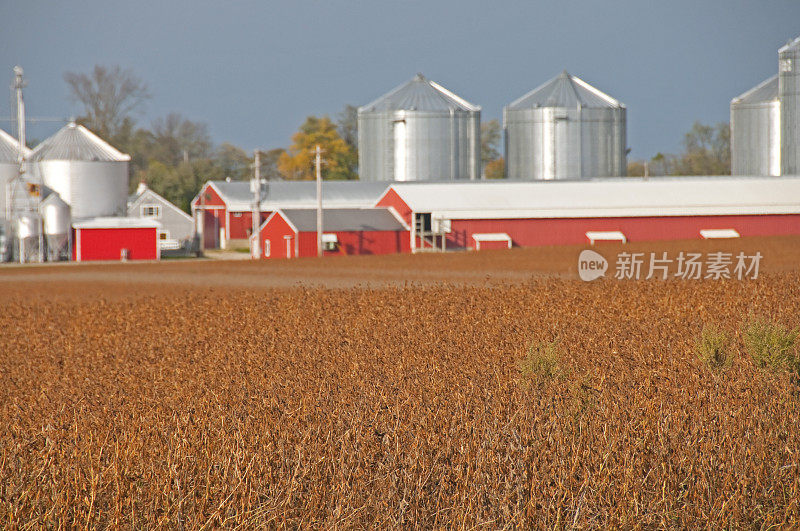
[756, 130]
[9, 165]
[789, 94]
[420, 131]
[565, 129]
[88, 173]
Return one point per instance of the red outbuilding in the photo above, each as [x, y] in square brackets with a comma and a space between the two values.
[292, 233]
[223, 209]
[115, 239]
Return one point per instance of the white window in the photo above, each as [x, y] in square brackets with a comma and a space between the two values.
[151, 211]
[267, 249]
[237, 214]
[329, 242]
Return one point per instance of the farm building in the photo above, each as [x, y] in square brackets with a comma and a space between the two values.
[565, 129]
[486, 214]
[87, 172]
[177, 227]
[419, 131]
[115, 239]
[223, 210]
[292, 233]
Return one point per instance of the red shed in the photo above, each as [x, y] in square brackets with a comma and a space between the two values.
[115, 239]
[292, 233]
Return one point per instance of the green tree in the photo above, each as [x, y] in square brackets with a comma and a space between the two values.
[347, 125]
[233, 162]
[269, 164]
[298, 161]
[707, 151]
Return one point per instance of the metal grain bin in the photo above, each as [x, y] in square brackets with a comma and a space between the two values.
[565, 129]
[88, 173]
[420, 131]
[756, 130]
[789, 94]
[56, 222]
[9, 165]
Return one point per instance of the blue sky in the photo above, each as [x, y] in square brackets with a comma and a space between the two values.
[254, 70]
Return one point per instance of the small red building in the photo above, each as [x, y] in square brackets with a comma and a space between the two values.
[292, 233]
[222, 210]
[115, 239]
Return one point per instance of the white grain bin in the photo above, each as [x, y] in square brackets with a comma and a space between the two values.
[56, 224]
[9, 166]
[89, 174]
[756, 130]
[565, 129]
[789, 94]
[420, 131]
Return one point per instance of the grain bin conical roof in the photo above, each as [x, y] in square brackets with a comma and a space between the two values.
[420, 94]
[9, 148]
[75, 142]
[765, 91]
[565, 90]
[791, 45]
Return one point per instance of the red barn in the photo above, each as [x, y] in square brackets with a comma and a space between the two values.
[292, 233]
[115, 239]
[223, 209]
[486, 214]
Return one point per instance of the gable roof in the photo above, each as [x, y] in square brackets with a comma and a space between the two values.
[765, 91]
[75, 142]
[145, 193]
[342, 219]
[565, 90]
[299, 194]
[604, 197]
[420, 94]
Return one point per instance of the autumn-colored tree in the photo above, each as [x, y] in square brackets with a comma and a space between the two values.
[297, 162]
[495, 169]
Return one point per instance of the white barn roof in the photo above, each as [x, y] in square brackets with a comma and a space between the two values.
[620, 197]
[301, 194]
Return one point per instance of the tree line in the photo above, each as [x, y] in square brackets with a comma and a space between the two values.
[175, 155]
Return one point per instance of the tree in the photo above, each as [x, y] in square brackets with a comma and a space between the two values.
[490, 139]
[298, 161]
[495, 169]
[707, 151]
[269, 164]
[233, 162]
[108, 95]
[178, 139]
[347, 125]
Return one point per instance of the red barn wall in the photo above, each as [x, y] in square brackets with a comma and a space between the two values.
[276, 231]
[392, 199]
[358, 242]
[242, 224]
[566, 231]
[107, 244]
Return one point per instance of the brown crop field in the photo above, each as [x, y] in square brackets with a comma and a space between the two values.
[389, 392]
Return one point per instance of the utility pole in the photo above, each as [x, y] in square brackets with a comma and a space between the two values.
[318, 160]
[255, 250]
